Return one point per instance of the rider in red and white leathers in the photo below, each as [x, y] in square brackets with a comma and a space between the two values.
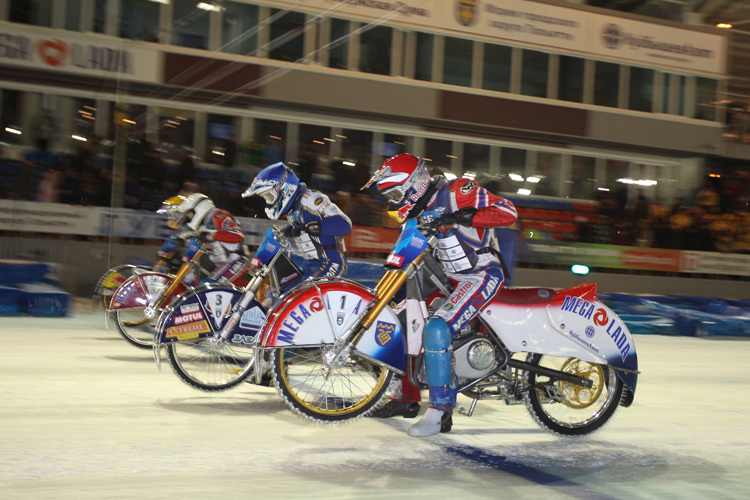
[224, 235]
[463, 252]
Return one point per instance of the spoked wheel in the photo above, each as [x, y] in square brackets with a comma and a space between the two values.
[569, 409]
[210, 365]
[135, 327]
[324, 392]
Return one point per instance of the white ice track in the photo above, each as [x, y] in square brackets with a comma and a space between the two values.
[84, 415]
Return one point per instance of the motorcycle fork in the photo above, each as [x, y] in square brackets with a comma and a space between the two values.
[166, 292]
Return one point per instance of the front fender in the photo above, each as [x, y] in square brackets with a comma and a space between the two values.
[136, 291]
[321, 312]
[203, 311]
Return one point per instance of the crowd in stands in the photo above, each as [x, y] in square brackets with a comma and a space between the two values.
[715, 217]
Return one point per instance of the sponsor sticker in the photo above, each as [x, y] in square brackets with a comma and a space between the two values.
[188, 331]
[188, 308]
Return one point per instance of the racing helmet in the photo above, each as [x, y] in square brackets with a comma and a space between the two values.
[403, 180]
[278, 185]
[191, 209]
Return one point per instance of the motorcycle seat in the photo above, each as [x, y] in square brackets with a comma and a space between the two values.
[525, 295]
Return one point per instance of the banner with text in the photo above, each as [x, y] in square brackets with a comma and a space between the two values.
[585, 32]
[91, 55]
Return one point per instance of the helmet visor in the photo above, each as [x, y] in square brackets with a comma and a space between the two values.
[394, 194]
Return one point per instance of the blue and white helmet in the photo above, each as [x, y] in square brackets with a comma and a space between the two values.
[278, 185]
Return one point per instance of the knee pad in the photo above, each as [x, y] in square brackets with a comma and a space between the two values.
[437, 335]
[437, 340]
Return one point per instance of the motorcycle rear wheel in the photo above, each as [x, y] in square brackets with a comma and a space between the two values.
[314, 390]
[565, 408]
[208, 365]
[135, 327]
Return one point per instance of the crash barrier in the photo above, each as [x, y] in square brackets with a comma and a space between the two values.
[31, 288]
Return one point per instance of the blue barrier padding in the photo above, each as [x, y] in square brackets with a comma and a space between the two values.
[23, 272]
[10, 300]
[681, 314]
[42, 299]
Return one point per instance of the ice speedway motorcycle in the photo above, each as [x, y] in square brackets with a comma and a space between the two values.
[136, 302]
[209, 332]
[334, 346]
[111, 280]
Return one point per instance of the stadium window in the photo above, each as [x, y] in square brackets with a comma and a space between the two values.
[457, 61]
[534, 73]
[287, 37]
[189, 25]
[239, 24]
[641, 95]
[139, 20]
[438, 153]
[706, 99]
[570, 79]
[582, 182]
[606, 84]
[339, 40]
[375, 50]
[73, 15]
[36, 12]
[497, 64]
[476, 158]
[425, 47]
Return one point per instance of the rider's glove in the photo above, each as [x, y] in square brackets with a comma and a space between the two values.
[313, 228]
[206, 234]
[292, 230]
[462, 217]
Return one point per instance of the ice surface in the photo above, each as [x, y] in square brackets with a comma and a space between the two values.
[84, 414]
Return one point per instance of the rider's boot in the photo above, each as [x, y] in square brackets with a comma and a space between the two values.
[433, 422]
[437, 340]
[396, 408]
[405, 398]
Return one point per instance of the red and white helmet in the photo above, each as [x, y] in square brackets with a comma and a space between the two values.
[403, 179]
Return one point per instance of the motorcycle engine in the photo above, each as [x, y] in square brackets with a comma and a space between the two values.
[476, 357]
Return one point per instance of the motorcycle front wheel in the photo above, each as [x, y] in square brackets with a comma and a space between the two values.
[328, 393]
[210, 365]
[135, 327]
[568, 409]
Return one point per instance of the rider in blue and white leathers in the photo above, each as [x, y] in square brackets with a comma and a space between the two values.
[317, 225]
[464, 212]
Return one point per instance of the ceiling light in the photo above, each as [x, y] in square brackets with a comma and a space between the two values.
[524, 192]
[13, 130]
[516, 177]
[723, 25]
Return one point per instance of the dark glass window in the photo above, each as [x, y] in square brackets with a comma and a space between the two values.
[425, 45]
[497, 60]
[606, 84]
[570, 79]
[534, 73]
[139, 20]
[457, 61]
[339, 50]
[239, 28]
[641, 89]
[287, 37]
[375, 51]
[189, 25]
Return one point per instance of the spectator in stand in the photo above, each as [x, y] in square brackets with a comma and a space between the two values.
[188, 171]
[679, 224]
[708, 198]
[273, 151]
[44, 129]
[48, 190]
